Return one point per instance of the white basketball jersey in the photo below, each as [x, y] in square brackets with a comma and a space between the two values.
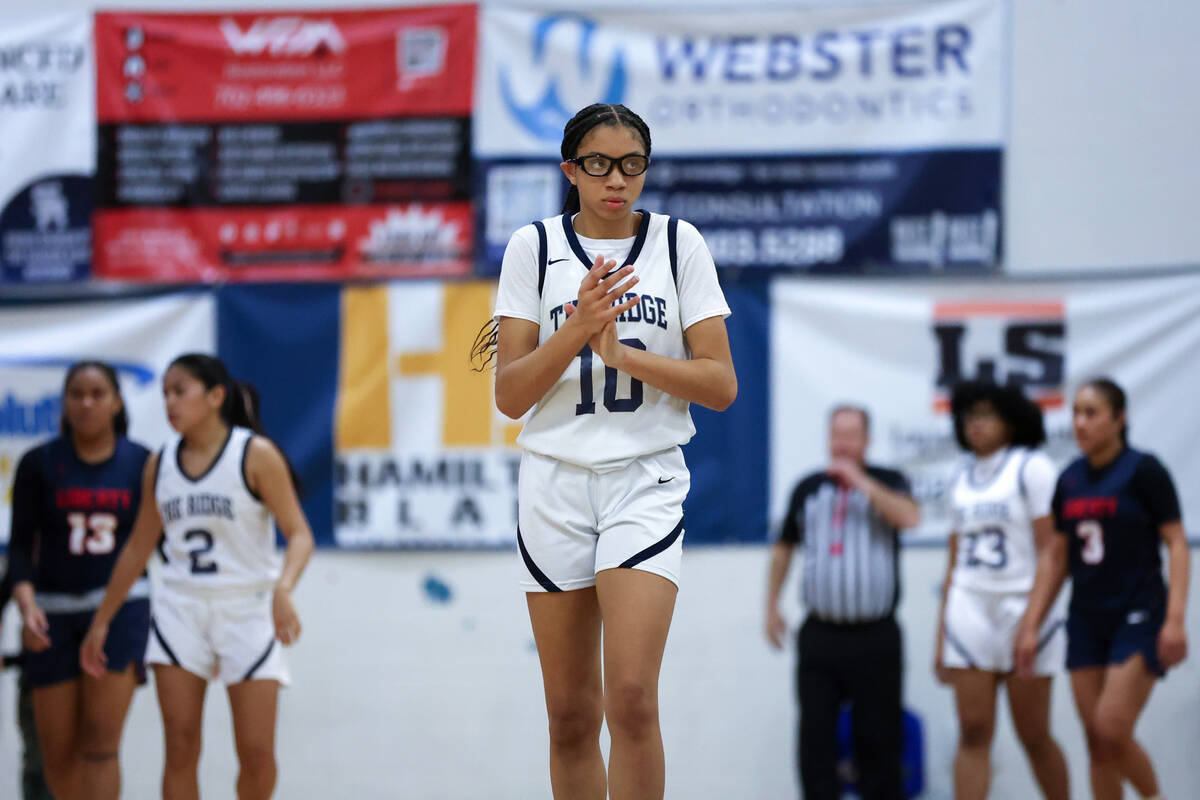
[996, 549]
[218, 537]
[595, 416]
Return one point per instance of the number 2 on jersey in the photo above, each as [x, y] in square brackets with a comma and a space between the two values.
[206, 545]
[1092, 533]
[587, 404]
[94, 534]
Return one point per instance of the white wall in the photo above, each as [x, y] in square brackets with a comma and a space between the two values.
[1101, 166]
[398, 696]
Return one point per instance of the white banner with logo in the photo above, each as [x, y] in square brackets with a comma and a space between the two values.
[47, 147]
[896, 347]
[836, 139]
[138, 337]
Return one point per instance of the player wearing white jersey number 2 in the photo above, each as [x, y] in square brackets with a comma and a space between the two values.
[215, 492]
[1001, 502]
[609, 322]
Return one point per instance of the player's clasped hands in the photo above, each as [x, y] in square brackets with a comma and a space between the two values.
[597, 307]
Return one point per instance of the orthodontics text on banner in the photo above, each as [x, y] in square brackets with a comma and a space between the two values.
[47, 148]
[137, 337]
[284, 145]
[832, 139]
[896, 348]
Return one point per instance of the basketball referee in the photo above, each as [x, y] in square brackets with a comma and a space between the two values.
[847, 518]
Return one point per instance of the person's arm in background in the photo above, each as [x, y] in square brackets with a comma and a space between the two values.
[893, 502]
[26, 487]
[781, 559]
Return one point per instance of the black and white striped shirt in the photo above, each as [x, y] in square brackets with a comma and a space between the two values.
[851, 554]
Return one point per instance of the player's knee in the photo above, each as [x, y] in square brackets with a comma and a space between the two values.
[182, 746]
[1106, 738]
[258, 760]
[98, 736]
[575, 725]
[632, 708]
[1035, 742]
[975, 733]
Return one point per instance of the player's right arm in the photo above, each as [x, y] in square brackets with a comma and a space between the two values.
[25, 491]
[525, 371]
[147, 527]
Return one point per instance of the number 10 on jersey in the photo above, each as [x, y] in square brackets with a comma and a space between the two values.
[587, 402]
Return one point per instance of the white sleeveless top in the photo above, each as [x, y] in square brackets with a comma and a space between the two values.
[218, 536]
[595, 416]
[995, 501]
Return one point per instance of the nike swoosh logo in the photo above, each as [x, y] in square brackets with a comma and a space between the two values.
[668, 480]
[555, 260]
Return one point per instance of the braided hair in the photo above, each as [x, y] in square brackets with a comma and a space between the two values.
[589, 117]
[483, 350]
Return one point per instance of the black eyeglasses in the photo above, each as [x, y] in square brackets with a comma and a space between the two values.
[598, 166]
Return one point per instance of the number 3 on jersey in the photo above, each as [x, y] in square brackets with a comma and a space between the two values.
[586, 404]
[1092, 533]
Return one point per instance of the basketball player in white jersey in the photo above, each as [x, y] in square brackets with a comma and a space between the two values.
[225, 598]
[609, 322]
[1001, 502]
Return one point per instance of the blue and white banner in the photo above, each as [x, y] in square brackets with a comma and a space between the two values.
[137, 336]
[47, 148]
[827, 139]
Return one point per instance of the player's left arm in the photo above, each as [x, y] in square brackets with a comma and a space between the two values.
[269, 476]
[707, 378]
[1172, 639]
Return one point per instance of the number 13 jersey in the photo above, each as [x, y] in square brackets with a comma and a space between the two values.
[594, 416]
[995, 500]
[218, 535]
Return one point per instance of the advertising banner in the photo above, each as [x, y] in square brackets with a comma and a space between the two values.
[138, 337]
[824, 139]
[897, 348]
[47, 148]
[284, 146]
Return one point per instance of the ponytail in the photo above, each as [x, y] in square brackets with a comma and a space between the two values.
[483, 351]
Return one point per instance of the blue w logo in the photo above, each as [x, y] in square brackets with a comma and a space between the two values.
[546, 116]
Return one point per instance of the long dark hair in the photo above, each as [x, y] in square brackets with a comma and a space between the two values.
[1022, 416]
[120, 420]
[241, 404]
[1115, 397]
[589, 117]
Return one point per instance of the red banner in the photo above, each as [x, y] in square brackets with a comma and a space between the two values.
[284, 145]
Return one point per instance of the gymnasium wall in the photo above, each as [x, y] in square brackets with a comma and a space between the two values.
[1099, 163]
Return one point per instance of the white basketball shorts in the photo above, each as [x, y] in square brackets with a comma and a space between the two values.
[227, 638]
[981, 631]
[574, 522]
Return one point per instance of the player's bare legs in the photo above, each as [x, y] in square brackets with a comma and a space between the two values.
[105, 702]
[1109, 701]
[975, 697]
[566, 628]
[56, 710]
[255, 706]
[1029, 701]
[637, 608]
[181, 699]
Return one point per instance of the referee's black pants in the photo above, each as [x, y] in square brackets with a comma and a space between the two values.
[860, 664]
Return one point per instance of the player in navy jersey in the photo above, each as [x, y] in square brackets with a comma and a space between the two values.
[215, 492]
[609, 373]
[1114, 507]
[74, 501]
